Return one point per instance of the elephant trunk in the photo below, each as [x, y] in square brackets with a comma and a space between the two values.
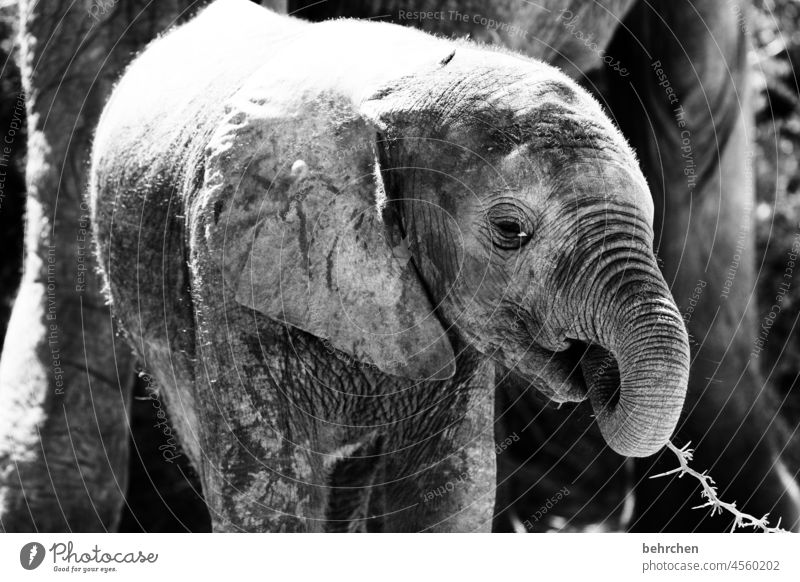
[636, 367]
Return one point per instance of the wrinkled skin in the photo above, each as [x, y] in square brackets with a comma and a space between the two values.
[703, 203]
[324, 266]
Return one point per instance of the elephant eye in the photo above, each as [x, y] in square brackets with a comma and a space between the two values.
[509, 234]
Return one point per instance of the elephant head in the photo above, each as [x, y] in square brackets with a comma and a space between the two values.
[475, 195]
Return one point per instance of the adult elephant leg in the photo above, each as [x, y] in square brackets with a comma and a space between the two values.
[64, 377]
[687, 112]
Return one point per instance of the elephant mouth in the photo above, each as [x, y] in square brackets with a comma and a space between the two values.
[569, 374]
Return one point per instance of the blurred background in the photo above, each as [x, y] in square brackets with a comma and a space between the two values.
[775, 59]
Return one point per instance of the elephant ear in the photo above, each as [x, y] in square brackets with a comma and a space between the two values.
[297, 223]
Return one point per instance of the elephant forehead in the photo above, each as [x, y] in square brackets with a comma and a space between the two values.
[604, 181]
[549, 122]
[572, 174]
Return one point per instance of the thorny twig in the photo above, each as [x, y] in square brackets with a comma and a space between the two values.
[709, 493]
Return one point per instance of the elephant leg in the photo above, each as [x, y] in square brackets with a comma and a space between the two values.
[65, 374]
[63, 429]
[687, 112]
[63, 424]
[443, 481]
[256, 480]
[252, 422]
[298, 475]
[321, 476]
[293, 439]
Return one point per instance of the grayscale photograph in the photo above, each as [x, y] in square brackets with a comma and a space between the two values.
[397, 266]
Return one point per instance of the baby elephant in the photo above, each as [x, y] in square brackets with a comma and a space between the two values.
[328, 241]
